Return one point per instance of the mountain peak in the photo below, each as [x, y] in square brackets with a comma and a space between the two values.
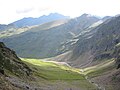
[40, 20]
[55, 14]
[86, 15]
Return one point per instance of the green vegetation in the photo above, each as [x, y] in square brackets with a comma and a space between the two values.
[53, 71]
[99, 69]
[55, 74]
[41, 74]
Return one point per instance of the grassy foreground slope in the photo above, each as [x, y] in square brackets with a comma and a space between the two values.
[57, 76]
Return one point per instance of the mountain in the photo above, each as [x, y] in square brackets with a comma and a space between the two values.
[90, 44]
[37, 21]
[4, 27]
[116, 55]
[96, 44]
[32, 74]
[9, 61]
[15, 31]
[100, 41]
[11, 65]
[97, 52]
[106, 17]
[48, 42]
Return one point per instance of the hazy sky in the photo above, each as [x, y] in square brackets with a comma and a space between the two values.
[12, 10]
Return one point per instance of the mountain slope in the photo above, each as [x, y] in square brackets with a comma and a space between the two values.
[11, 66]
[10, 62]
[105, 75]
[98, 52]
[50, 42]
[4, 27]
[96, 44]
[15, 31]
[36, 21]
[32, 74]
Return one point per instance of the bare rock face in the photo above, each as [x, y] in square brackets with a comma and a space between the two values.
[100, 41]
[11, 62]
[116, 55]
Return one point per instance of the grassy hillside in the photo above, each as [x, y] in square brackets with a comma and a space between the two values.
[55, 73]
[25, 74]
[34, 74]
[99, 69]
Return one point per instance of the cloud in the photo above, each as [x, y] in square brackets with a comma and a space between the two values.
[24, 10]
[12, 10]
[44, 9]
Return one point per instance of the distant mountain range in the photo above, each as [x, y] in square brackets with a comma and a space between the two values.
[5, 27]
[37, 21]
[51, 41]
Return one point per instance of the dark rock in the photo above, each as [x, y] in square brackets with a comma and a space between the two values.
[102, 56]
[27, 87]
[1, 71]
[118, 66]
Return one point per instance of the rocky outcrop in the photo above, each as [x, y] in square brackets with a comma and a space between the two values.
[9, 61]
[116, 55]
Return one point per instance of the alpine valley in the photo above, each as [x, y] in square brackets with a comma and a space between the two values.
[56, 52]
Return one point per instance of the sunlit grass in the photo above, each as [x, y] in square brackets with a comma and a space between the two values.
[53, 71]
[50, 72]
[99, 69]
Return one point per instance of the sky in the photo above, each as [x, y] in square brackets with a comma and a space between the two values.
[13, 10]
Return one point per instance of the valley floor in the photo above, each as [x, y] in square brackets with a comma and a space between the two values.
[48, 76]
[60, 76]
